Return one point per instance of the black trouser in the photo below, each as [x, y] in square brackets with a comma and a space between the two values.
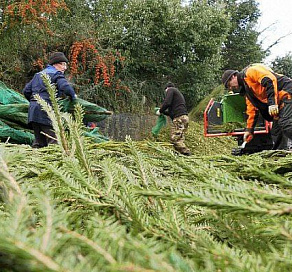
[42, 140]
[282, 133]
[285, 119]
[280, 141]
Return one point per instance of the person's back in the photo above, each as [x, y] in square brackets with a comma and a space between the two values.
[178, 105]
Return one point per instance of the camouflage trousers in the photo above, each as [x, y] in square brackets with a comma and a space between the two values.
[177, 133]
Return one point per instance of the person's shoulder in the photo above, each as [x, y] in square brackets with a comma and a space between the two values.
[58, 75]
[259, 67]
[50, 69]
[250, 71]
[173, 89]
[176, 90]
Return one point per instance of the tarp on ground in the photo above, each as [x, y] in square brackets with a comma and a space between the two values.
[17, 113]
[95, 135]
[9, 96]
[15, 136]
[93, 112]
[14, 114]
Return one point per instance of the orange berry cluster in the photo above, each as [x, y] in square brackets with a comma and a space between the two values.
[35, 12]
[84, 54]
[38, 64]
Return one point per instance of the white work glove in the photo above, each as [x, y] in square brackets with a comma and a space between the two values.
[157, 113]
[247, 136]
[273, 110]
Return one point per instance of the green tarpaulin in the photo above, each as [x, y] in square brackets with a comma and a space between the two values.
[16, 136]
[14, 113]
[8, 96]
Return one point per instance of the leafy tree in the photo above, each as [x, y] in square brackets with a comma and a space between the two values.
[157, 40]
[283, 65]
[164, 40]
[241, 46]
[25, 31]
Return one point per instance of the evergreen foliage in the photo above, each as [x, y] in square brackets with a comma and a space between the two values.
[138, 206]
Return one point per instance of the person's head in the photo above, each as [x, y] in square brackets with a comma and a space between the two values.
[229, 79]
[59, 61]
[168, 85]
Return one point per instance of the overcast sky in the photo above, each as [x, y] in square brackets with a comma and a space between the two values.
[277, 15]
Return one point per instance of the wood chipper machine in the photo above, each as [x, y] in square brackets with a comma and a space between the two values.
[228, 118]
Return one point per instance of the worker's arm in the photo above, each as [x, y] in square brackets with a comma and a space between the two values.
[270, 90]
[271, 95]
[167, 102]
[63, 86]
[265, 77]
[252, 116]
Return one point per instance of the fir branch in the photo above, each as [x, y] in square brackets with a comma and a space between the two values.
[16, 198]
[90, 243]
[223, 202]
[53, 112]
[76, 130]
[36, 258]
[11, 182]
[49, 224]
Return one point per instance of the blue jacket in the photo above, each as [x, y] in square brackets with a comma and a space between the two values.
[37, 86]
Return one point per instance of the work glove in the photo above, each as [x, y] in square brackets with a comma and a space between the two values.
[158, 113]
[247, 136]
[273, 110]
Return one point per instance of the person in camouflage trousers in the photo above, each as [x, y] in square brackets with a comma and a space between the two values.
[174, 106]
[177, 133]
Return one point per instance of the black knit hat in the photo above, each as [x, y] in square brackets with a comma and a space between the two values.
[227, 76]
[168, 85]
[57, 57]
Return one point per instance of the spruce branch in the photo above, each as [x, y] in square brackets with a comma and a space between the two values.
[37, 260]
[206, 198]
[54, 112]
[11, 182]
[49, 224]
[74, 235]
[76, 128]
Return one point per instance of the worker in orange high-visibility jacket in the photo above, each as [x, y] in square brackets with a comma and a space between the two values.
[266, 92]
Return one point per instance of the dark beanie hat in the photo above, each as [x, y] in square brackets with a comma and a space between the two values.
[227, 76]
[168, 85]
[57, 57]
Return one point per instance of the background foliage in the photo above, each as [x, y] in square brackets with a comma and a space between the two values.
[123, 52]
[283, 65]
[242, 46]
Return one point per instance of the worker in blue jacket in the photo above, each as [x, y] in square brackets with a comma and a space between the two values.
[37, 117]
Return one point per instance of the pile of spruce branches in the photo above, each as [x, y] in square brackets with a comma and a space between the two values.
[139, 206]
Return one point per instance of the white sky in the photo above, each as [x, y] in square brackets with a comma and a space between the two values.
[277, 16]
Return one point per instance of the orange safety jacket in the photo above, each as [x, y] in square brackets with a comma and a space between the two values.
[262, 87]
